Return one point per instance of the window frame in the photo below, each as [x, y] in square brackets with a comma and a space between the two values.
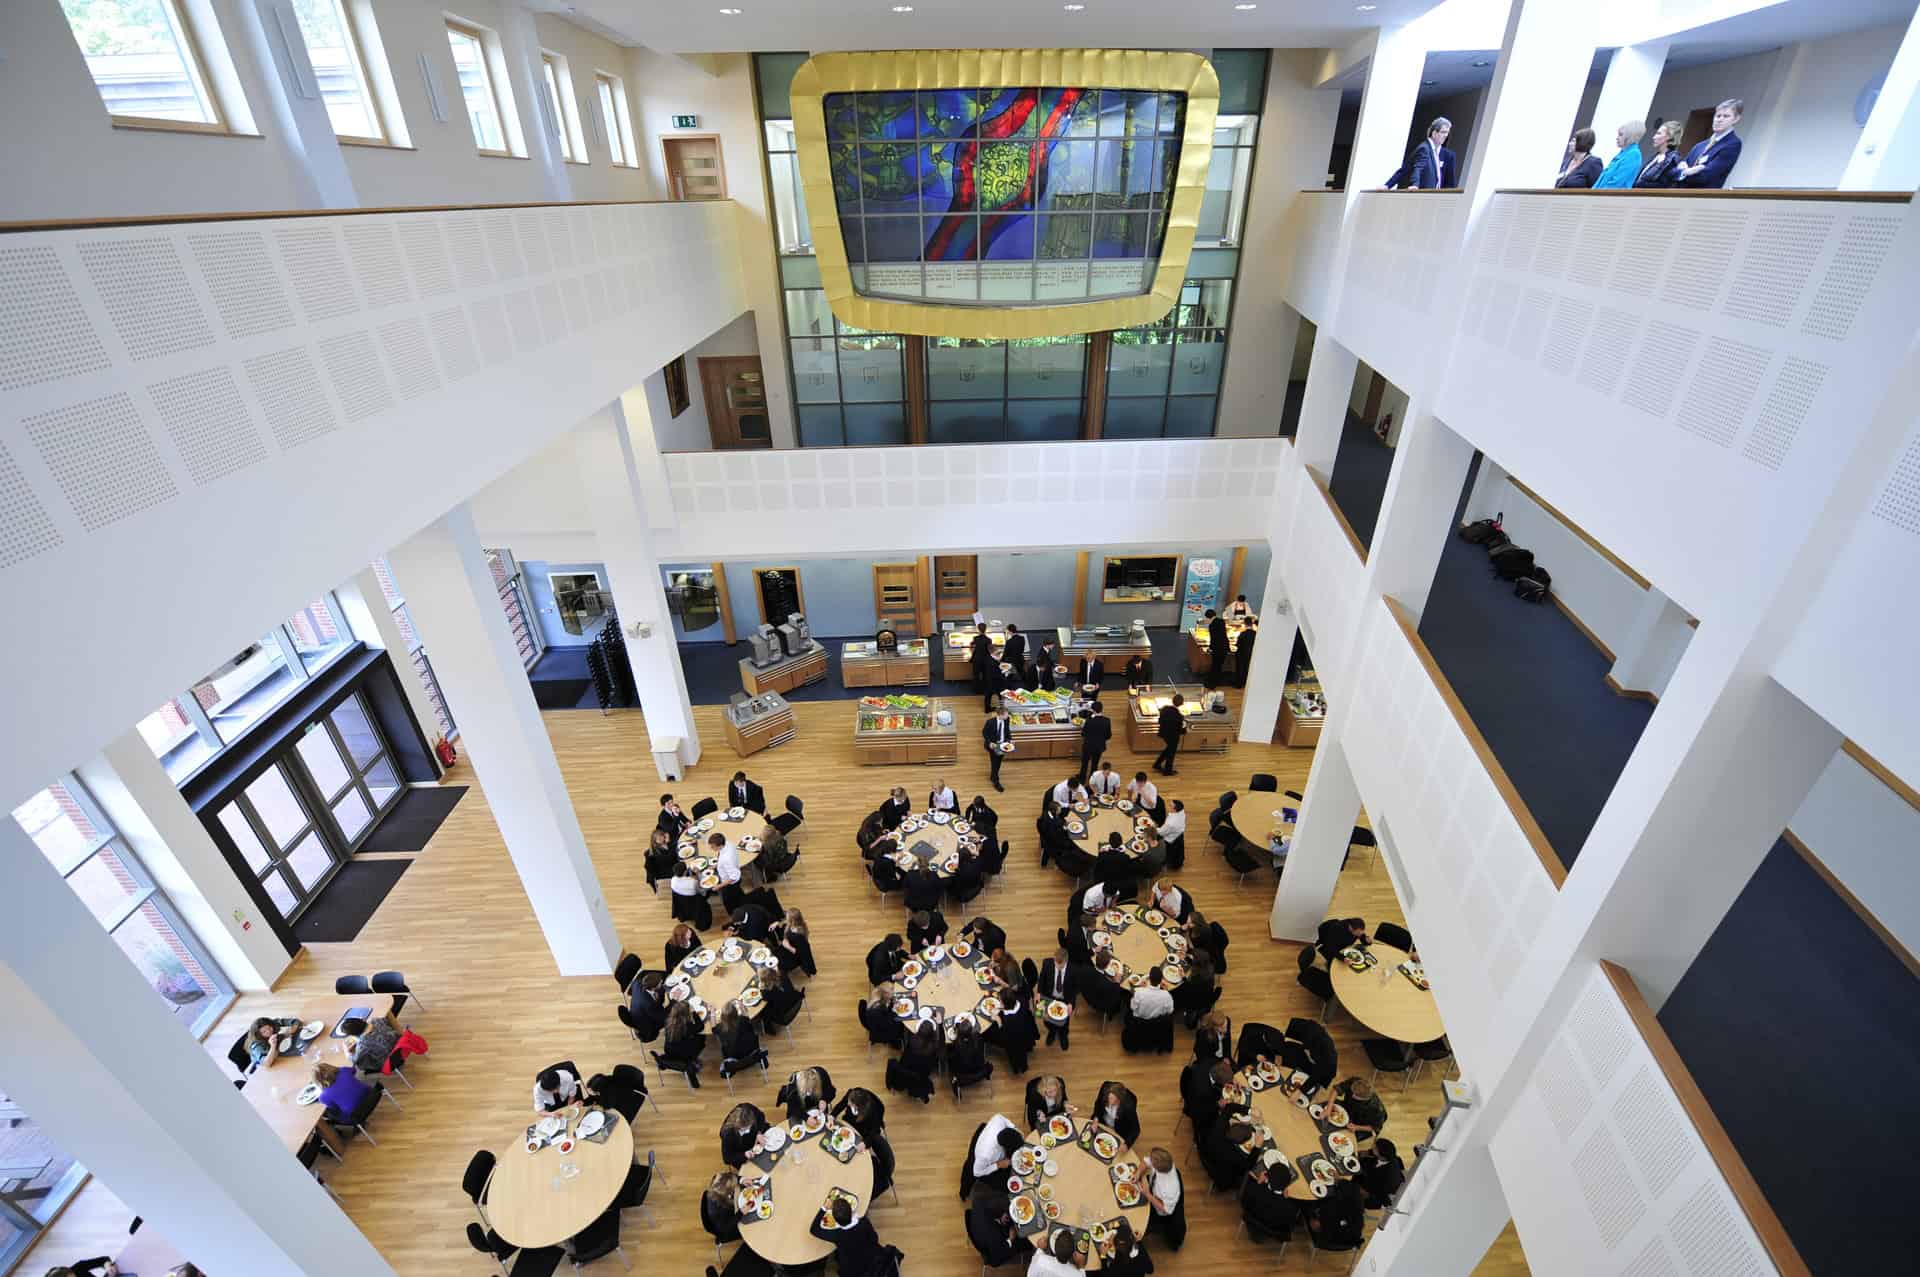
[396, 602]
[194, 60]
[556, 77]
[482, 37]
[620, 141]
[350, 15]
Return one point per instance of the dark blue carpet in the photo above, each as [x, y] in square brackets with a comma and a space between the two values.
[1359, 479]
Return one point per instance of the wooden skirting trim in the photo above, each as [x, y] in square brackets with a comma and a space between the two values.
[1759, 1213]
[1581, 625]
[1839, 889]
[1580, 532]
[1542, 849]
[1880, 773]
[1751, 193]
[1326, 494]
[168, 219]
[1632, 694]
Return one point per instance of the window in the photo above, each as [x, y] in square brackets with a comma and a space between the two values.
[146, 62]
[340, 65]
[1163, 379]
[1223, 207]
[993, 391]
[850, 384]
[486, 107]
[416, 651]
[72, 833]
[789, 197]
[319, 632]
[565, 109]
[616, 118]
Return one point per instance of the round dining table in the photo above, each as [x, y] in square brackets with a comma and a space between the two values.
[1104, 817]
[693, 843]
[716, 977]
[542, 1198]
[921, 838]
[1385, 1000]
[1129, 932]
[802, 1173]
[947, 979]
[1082, 1188]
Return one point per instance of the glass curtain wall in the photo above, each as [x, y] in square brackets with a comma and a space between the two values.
[416, 650]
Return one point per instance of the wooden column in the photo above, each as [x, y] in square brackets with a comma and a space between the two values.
[1080, 589]
[916, 353]
[923, 597]
[1093, 425]
[1234, 573]
[726, 603]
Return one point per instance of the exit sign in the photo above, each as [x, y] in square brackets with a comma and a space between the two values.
[686, 121]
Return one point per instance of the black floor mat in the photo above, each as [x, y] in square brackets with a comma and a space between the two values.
[414, 821]
[559, 693]
[349, 901]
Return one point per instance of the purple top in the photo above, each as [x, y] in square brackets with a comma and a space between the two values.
[345, 1096]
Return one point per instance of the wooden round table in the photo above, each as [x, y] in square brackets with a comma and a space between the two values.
[950, 984]
[1386, 1001]
[1139, 945]
[1102, 819]
[531, 1205]
[1083, 1188]
[1293, 1129]
[693, 843]
[802, 1173]
[720, 981]
[932, 842]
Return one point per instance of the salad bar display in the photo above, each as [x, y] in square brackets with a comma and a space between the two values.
[1209, 731]
[1303, 711]
[1114, 644]
[1045, 724]
[904, 728]
[863, 664]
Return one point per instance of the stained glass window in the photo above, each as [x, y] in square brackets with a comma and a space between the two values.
[1003, 197]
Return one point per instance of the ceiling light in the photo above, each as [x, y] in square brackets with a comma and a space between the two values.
[1244, 7]
[1429, 83]
[1482, 62]
[1073, 8]
[903, 8]
[1366, 8]
[731, 13]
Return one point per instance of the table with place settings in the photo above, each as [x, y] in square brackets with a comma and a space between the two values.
[717, 974]
[542, 1191]
[1390, 995]
[933, 838]
[1091, 822]
[1078, 1175]
[1142, 938]
[734, 823]
[785, 1186]
[944, 981]
[1310, 1133]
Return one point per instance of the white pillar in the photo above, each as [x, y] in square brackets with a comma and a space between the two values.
[1455, 1208]
[1323, 407]
[136, 793]
[1386, 110]
[1887, 156]
[1489, 491]
[99, 1060]
[1627, 93]
[611, 485]
[269, 29]
[1327, 813]
[520, 49]
[1544, 61]
[1416, 514]
[1646, 658]
[451, 592]
[374, 624]
[1267, 680]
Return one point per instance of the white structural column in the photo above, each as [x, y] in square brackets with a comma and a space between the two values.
[373, 623]
[614, 502]
[270, 32]
[1489, 489]
[1647, 655]
[1887, 156]
[138, 796]
[1386, 108]
[1455, 1208]
[1416, 513]
[1627, 93]
[520, 49]
[451, 593]
[98, 1059]
[1543, 66]
[1323, 407]
[1267, 680]
[1320, 841]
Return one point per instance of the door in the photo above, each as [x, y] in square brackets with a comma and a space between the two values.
[896, 595]
[274, 827]
[1699, 125]
[736, 396]
[349, 767]
[956, 594]
[1376, 391]
[693, 167]
[693, 600]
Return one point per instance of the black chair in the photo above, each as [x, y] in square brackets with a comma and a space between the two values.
[633, 1193]
[598, 1240]
[633, 1026]
[785, 1023]
[790, 820]
[624, 1088]
[1227, 800]
[570, 1067]
[349, 985]
[363, 1113]
[492, 1245]
[1394, 934]
[1257, 1039]
[1294, 794]
[1439, 1051]
[238, 1057]
[479, 1171]
[1362, 838]
[1315, 981]
[395, 983]
[544, 1262]
[1263, 783]
[626, 970]
[1177, 853]
[1192, 1014]
[625, 1103]
[1388, 1056]
[1243, 858]
[881, 1027]
[1147, 1035]
[721, 1230]
[730, 1066]
[704, 808]
[688, 1069]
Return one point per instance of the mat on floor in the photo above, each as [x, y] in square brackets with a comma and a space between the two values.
[415, 819]
[349, 901]
[559, 693]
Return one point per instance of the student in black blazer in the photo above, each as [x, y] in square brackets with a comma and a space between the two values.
[885, 959]
[980, 656]
[1058, 982]
[737, 1134]
[672, 819]
[1094, 735]
[1014, 651]
[896, 809]
[1173, 725]
[1044, 661]
[1090, 670]
[1217, 649]
[744, 793]
[1139, 671]
[996, 736]
[985, 933]
[1710, 163]
[857, 1251]
[864, 1111]
[1116, 1108]
[1243, 653]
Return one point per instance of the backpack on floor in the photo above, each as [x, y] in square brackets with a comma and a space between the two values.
[1512, 563]
[1530, 589]
[1479, 531]
[1496, 541]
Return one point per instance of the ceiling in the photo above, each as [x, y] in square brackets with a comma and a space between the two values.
[699, 26]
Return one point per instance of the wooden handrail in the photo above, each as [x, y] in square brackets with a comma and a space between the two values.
[1326, 493]
[1733, 1168]
[1502, 784]
[1580, 532]
[170, 219]
[1742, 193]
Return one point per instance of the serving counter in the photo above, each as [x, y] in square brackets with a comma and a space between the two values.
[1044, 724]
[757, 724]
[865, 665]
[903, 729]
[1113, 644]
[957, 646]
[1207, 732]
[1303, 712]
[810, 666]
[1200, 646]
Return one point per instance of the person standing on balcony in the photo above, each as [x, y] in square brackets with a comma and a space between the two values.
[1710, 162]
[1431, 166]
[1625, 165]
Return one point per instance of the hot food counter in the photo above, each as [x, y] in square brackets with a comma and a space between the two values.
[1209, 731]
[865, 665]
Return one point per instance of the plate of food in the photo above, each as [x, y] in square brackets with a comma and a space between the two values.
[1023, 1210]
[591, 1123]
[1015, 1183]
[1171, 975]
[1127, 1193]
[903, 1006]
[750, 843]
[1256, 1082]
[1321, 1170]
[1106, 1145]
[942, 817]
[736, 813]
[1125, 805]
[1024, 1160]
[688, 850]
[1045, 1191]
[774, 1138]
[1342, 1143]
[1114, 918]
[709, 880]
[1083, 808]
[286, 1042]
[961, 827]
[1101, 939]
[1124, 1170]
[928, 1013]
[308, 1094]
[549, 1126]
[703, 824]
[912, 968]
[1137, 846]
[1337, 1115]
[797, 1130]
[1298, 1079]
[961, 949]
[1300, 1099]
[1053, 1210]
[751, 996]
[312, 1029]
[732, 952]
[936, 953]
[1269, 1071]
[761, 956]
[1060, 1126]
[989, 1005]
[816, 1120]
[1058, 1011]
[1076, 826]
[1098, 1232]
[679, 992]
[1136, 981]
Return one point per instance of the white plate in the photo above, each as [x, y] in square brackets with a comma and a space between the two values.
[308, 1094]
[312, 1029]
[286, 1044]
[591, 1123]
[550, 1126]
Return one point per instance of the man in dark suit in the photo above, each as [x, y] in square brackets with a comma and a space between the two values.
[1336, 934]
[980, 655]
[1139, 671]
[744, 793]
[997, 735]
[1431, 165]
[1094, 735]
[1043, 662]
[1089, 670]
[1709, 163]
[1014, 650]
[885, 959]
[1058, 981]
[1173, 725]
[672, 819]
[1243, 653]
[1217, 650]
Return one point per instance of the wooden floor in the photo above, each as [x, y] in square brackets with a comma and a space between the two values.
[459, 925]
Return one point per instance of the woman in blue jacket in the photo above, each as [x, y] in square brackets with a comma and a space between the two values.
[1625, 165]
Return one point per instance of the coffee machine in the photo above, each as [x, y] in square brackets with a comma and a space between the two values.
[766, 646]
[794, 635]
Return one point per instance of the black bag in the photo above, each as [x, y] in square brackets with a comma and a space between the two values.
[1478, 531]
[1512, 563]
[1541, 575]
[1530, 589]
[1496, 541]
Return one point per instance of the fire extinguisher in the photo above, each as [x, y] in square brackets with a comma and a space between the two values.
[444, 749]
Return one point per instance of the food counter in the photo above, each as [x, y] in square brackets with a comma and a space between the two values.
[1113, 644]
[1303, 711]
[865, 665]
[1200, 646]
[1207, 732]
[904, 729]
[1044, 723]
[760, 723]
[957, 644]
[810, 666]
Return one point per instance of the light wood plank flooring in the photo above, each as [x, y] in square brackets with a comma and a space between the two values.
[459, 925]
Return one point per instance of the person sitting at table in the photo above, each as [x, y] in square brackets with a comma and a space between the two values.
[1139, 672]
[1069, 791]
[923, 888]
[1207, 937]
[981, 815]
[341, 1092]
[672, 819]
[943, 798]
[1015, 1034]
[926, 927]
[878, 1019]
[777, 856]
[806, 1090]
[1116, 1109]
[1060, 1258]
[661, 859]
[1366, 1114]
[964, 883]
[1058, 983]
[1150, 1003]
[263, 1038]
[370, 1043]
[885, 959]
[1175, 824]
[742, 792]
[1202, 1085]
[1144, 793]
[1194, 997]
[98, 1266]
[1089, 901]
[864, 1111]
[781, 997]
[682, 941]
[857, 1251]
[718, 1214]
[1129, 1257]
[896, 808]
[1098, 989]
[871, 831]
[1338, 1221]
[647, 1004]
[1105, 782]
[887, 876]
[1381, 1173]
[990, 1228]
[555, 1089]
[913, 1071]
[1223, 1147]
[736, 1034]
[967, 1060]
[1164, 1193]
[683, 1040]
[991, 1158]
[984, 933]
[1171, 900]
[1336, 934]
[1263, 1195]
[788, 939]
[749, 922]
[1117, 867]
[1046, 1097]
[690, 902]
[740, 1134]
[1055, 841]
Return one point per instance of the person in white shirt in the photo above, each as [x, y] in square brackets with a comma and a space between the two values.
[943, 798]
[726, 859]
[993, 1151]
[1176, 822]
[685, 882]
[1094, 898]
[1069, 791]
[1151, 1001]
[555, 1088]
[1065, 1261]
[1105, 783]
[1143, 791]
[1163, 1189]
[1168, 898]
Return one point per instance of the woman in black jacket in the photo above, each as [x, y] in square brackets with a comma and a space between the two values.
[864, 1111]
[661, 859]
[718, 1213]
[984, 819]
[684, 1040]
[1582, 167]
[738, 1037]
[683, 941]
[1046, 1097]
[790, 944]
[1116, 1109]
[805, 1091]
[913, 1071]
[966, 1057]
[739, 1133]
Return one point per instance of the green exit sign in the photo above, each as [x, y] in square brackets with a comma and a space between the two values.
[686, 121]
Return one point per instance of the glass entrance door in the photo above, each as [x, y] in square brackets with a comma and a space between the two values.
[351, 770]
[277, 835]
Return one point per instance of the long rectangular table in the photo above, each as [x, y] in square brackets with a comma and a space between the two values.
[272, 1089]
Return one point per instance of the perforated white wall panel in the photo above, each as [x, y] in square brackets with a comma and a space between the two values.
[1314, 231]
[1401, 257]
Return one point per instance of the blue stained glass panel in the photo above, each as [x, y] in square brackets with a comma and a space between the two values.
[1008, 237]
[893, 239]
[947, 112]
[886, 115]
[951, 237]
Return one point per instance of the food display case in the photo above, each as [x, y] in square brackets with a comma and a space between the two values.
[1200, 646]
[1210, 730]
[1303, 712]
[1113, 644]
[1045, 724]
[759, 723]
[809, 665]
[904, 729]
[865, 665]
[957, 644]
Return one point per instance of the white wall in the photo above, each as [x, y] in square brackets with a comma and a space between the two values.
[1604, 598]
[690, 431]
[1869, 837]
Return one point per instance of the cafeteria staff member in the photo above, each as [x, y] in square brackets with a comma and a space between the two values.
[1239, 609]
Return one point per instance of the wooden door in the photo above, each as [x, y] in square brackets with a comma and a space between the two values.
[1699, 126]
[896, 595]
[736, 396]
[1376, 391]
[956, 586]
[693, 167]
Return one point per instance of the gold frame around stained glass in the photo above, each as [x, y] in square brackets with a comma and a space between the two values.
[1138, 69]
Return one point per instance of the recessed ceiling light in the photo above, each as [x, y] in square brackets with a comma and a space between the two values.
[1482, 62]
[731, 13]
[1244, 7]
[1429, 83]
[903, 8]
[1073, 8]
[1366, 8]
